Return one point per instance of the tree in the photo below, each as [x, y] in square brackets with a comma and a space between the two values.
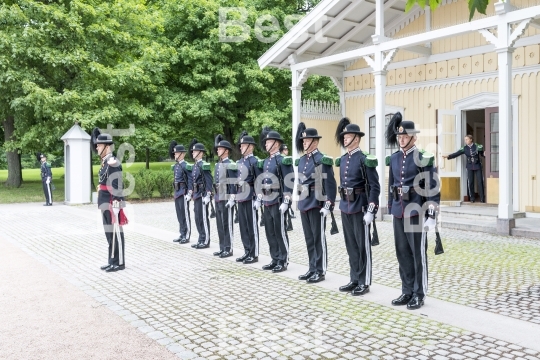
[95, 62]
[217, 87]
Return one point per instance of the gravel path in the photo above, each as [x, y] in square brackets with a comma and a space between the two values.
[42, 316]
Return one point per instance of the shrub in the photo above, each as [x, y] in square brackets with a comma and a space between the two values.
[163, 181]
[144, 183]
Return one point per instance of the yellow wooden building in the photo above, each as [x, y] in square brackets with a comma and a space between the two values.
[451, 76]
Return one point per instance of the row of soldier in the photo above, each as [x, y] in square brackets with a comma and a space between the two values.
[249, 184]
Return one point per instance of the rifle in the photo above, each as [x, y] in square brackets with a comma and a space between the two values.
[333, 229]
[375, 236]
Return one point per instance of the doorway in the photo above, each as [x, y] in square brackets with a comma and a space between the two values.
[483, 125]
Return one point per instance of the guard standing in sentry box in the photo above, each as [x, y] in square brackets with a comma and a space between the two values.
[46, 178]
[275, 194]
[225, 190]
[317, 191]
[359, 192]
[181, 183]
[413, 200]
[201, 192]
[111, 199]
[247, 173]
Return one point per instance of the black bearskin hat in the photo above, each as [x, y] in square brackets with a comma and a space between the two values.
[391, 136]
[299, 142]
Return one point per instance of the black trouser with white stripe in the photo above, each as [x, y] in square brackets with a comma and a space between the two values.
[358, 247]
[183, 216]
[202, 221]
[249, 227]
[47, 191]
[116, 258]
[411, 253]
[278, 241]
[224, 218]
[314, 225]
[471, 175]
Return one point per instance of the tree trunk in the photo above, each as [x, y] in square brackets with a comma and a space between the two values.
[13, 158]
[228, 134]
[147, 158]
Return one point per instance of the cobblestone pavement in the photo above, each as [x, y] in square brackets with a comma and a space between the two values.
[489, 272]
[206, 308]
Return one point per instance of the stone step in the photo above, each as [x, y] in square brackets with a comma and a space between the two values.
[473, 212]
[488, 226]
[525, 232]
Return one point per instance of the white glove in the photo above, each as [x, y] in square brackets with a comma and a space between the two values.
[206, 199]
[368, 218]
[429, 224]
[230, 203]
[283, 208]
[324, 212]
[48, 181]
[188, 195]
[257, 204]
[116, 207]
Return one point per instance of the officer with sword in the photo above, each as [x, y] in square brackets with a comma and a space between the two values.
[110, 199]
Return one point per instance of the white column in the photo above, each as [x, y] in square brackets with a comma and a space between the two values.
[506, 208]
[379, 22]
[296, 110]
[380, 113]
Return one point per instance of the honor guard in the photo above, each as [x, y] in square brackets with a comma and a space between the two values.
[247, 171]
[317, 191]
[46, 178]
[413, 201]
[275, 194]
[225, 190]
[472, 152]
[201, 193]
[110, 200]
[182, 183]
[359, 192]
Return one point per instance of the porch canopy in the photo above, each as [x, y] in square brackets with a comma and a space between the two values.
[338, 32]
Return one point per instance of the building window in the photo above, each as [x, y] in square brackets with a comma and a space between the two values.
[494, 142]
[389, 150]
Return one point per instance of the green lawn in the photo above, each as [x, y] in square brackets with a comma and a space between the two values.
[31, 190]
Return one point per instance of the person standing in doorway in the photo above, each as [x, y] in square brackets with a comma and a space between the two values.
[472, 152]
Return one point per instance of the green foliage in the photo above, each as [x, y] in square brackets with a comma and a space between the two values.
[95, 62]
[144, 183]
[163, 181]
[474, 5]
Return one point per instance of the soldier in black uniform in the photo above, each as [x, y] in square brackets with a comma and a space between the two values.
[317, 191]
[225, 189]
[111, 200]
[181, 183]
[245, 196]
[472, 152]
[359, 192]
[413, 200]
[46, 178]
[201, 192]
[275, 194]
